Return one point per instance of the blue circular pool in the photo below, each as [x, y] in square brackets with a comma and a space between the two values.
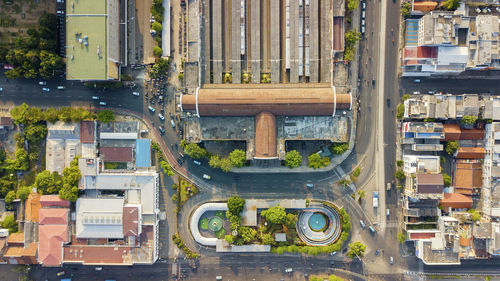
[317, 222]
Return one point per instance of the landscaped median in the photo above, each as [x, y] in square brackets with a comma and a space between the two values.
[278, 226]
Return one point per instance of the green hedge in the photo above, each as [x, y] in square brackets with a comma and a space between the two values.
[180, 244]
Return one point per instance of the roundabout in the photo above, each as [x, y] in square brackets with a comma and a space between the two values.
[319, 225]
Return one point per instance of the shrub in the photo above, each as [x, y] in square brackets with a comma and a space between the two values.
[195, 151]
[446, 180]
[399, 163]
[339, 148]
[316, 162]
[238, 158]
[400, 175]
[406, 9]
[352, 5]
[400, 111]
[10, 223]
[235, 205]
[452, 146]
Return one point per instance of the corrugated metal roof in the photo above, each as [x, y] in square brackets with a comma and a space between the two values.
[143, 153]
[116, 154]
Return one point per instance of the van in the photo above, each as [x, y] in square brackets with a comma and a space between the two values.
[218, 277]
[151, 109]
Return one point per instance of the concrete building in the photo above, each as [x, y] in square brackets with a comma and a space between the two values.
[312, 102]
[93, 40]
[63, 144]
[450, 43]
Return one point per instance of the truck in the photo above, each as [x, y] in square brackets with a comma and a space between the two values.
[375, 199]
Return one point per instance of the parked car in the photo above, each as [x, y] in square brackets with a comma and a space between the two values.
[42, 83]
[362, 223]
[61, 87]
[102, 103]
[60, 273]
[95, 98]
[333, 253]
[309, 185]
[375, 199]
[46, 89]
[162, 130]
[207, 177]
[151, 109]
[172, 123]
[288, 270]
[416, 80]
[98, 268]
[162, 118]
[1, 89]
[197, 162]
[136, 94]
[391, 261]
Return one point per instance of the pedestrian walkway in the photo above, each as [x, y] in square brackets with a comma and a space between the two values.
[411, 32]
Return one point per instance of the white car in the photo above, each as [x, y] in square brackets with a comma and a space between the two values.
[162, 118]
[136, 94]
[46, 89]
[151, 109]
[102, 103]
[207, 177]
[61, 87]
[42, 83]
[95, 98]
[1, 89]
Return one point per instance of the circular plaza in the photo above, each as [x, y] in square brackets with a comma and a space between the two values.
[319, 225]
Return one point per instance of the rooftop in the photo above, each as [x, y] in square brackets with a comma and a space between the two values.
[53, 216]
[143, 153]
[87, 131]
[53, 201]
[116, 154]
[455, 201]
[99, 217]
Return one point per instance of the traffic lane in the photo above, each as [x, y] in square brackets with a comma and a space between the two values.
[450, 85]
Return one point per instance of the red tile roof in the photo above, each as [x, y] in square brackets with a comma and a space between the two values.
[53, 216]
[53, 201]
[130, 221]
[424, 235]
[50, 239]
[451, 132]
[5, 121]
[87, 131]
[455, 201]
[471, 153]
[116, 154]
[468, 175]
[32, 207]
[472, 134]
[17, 237]
[98, 254]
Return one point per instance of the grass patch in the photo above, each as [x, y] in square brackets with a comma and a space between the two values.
[221, 233]
[115, 165]
[204, 223]
[186, 191]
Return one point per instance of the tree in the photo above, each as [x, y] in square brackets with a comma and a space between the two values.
[160, 68]
[399, 163]
[34, 134]
[247, 234]
[214, 161]
[50, 64]
[361, 194]
[10, 197]
[23, 192]
[267, 239]
[10, 223]
[48, 183]
[290, 220]
[293, 159]
[451, 5]
[452, 146]
[195, 151]
[475, 215]
[238, 158]
[401, 237]
[229, 239]
[406, 9]
[235, 205]
[166, 168]
[339, 148]
[157, 51]
[352, 5]
[400, 175]
[71, 175]
[352, 37]
[225, 164]
[156, 26]
[14, 73]
[356, 249]
[316, 162]
[68, 192]
[19, 113]
[51, 115]
[446, 180]
[21, 162]
[468, 120]
[105, 116]
[400, 111]
[275, 214]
